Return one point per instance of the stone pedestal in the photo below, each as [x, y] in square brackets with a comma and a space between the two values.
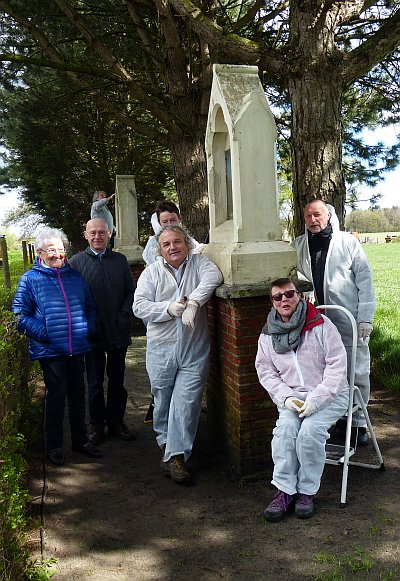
[126, 215]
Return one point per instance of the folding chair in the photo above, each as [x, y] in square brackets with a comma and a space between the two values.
[336, 454]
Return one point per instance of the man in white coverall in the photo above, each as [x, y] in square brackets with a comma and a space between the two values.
[166, 214]
[301, 362]
[337, 266]
[171, 299]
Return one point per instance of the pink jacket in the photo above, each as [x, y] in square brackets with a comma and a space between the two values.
[316, 370]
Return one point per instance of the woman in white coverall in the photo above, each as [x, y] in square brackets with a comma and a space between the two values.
[301, 362]
[171, 299]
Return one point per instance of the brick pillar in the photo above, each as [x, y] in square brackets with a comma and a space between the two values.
[240, 413]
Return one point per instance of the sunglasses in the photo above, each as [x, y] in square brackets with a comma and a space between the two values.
[289, 294]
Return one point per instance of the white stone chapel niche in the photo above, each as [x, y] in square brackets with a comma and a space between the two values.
[245, 234]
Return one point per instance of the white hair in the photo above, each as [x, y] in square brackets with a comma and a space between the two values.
[46, 234]
[186, 237]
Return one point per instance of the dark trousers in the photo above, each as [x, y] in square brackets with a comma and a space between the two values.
[64, 377]
[97, 362]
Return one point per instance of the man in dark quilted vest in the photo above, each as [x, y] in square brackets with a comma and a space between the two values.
[110, 279]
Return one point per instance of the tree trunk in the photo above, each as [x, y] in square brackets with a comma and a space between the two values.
[190, 166]
[317, 138]
[315, 88]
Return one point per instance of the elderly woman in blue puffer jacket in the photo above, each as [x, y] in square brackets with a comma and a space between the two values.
[55, 309]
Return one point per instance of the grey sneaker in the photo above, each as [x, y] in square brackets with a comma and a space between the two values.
[304, 507]
[176, 470]
[278, 506]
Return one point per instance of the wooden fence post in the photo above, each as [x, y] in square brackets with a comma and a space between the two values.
[6, 266]
[25, 255]
[31, 253]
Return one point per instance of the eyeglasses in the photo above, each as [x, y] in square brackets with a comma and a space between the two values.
[54, 250]
[289, 294]
[101, 233]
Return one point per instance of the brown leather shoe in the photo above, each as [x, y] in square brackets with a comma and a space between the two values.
[176, 470]
[97, 435]
[120, 431]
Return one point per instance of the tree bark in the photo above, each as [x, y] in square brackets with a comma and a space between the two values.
[189, 158]
[315, 88]
[316, 143]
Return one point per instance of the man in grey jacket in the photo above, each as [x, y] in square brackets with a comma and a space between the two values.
[109, 277]
[337, 266]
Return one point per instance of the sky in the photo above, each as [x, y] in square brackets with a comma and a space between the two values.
[390, 187]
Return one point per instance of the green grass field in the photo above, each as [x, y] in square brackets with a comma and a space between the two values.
[385, 339]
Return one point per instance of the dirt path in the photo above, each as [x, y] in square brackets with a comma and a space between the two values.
[118, 519]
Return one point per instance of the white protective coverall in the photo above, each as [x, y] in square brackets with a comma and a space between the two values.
[316, 371]
[150, 250]
[347, 282]
[177, 356]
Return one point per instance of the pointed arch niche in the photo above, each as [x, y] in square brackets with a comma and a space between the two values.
[245, 234]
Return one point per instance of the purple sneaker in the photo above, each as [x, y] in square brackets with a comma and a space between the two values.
[304, 507]
[278, 506]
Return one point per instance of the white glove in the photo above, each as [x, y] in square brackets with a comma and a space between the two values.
[364, 331]
[290, 404]
[189, 315]
[176, 308]
[309, 408]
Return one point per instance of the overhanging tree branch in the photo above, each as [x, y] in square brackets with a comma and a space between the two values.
[366, 56]
[247, 51]
[60, 66]
[112, 62]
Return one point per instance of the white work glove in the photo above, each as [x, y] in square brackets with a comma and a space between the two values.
[364, 331]
[290, 404]
[309, 408]
[189, 315]
[176, 308]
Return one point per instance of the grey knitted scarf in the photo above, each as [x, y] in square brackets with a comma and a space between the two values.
[286, 336]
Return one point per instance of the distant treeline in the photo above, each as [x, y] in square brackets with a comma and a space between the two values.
[381, 220]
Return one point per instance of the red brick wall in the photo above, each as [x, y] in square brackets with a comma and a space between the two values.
[240, 414]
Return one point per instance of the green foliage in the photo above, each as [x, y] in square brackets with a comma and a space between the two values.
[15, 411]
[13, 500]
[41, 571]
[61, 147]
[380, 220]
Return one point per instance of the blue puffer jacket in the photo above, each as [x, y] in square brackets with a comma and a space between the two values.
[55, 309]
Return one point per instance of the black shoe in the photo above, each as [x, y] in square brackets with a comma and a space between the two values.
[120, 431]
[362, 436]
[149, 416]
[56, 456]
[340, 427]
[97, 435]
[87, 450]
